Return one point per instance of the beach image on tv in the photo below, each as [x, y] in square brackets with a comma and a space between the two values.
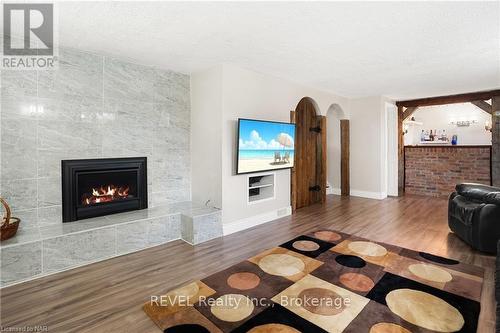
[265, 145]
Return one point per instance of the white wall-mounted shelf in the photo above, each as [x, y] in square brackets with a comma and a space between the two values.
[261, 187]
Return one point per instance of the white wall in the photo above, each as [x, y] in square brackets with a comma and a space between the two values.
[224, 94]
[206, 136]
[247, 94]
[367, 147]
[333, 117]
[439, 117]
[392, 148]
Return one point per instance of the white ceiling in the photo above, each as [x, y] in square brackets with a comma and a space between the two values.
[401, 50]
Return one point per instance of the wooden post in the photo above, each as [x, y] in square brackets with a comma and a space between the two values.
[401, 165]
[322, 152]
[495, 141]
[293, 189]
[345, 183]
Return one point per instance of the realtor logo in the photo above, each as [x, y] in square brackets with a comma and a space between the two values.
[28, 36]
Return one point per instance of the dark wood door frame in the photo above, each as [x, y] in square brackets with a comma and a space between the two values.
[408, 107]
[345, 183]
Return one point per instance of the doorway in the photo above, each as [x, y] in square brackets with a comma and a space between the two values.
[308, 185]
[338, 178]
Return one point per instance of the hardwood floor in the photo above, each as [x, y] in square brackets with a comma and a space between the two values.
[107, 296]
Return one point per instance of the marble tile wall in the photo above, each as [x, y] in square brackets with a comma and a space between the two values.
[58, 248]
[92, 106]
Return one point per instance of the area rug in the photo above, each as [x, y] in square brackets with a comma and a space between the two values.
[328, 281]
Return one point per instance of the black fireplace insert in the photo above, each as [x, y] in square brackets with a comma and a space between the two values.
[96, 187]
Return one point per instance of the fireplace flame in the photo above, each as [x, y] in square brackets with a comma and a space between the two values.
[106, 193]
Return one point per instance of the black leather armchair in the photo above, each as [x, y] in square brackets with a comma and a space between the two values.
[474, 215]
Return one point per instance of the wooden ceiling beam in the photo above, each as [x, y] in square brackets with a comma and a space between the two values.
[450, 99]
[486, 107]
[409, 111]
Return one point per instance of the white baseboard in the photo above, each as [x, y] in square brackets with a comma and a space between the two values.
[335, 190]
[369, 195]
[249, 222]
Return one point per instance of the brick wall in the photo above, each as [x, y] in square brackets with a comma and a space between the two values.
[496, 140]
[434, 171]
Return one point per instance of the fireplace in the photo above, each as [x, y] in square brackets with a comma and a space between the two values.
[97, 187]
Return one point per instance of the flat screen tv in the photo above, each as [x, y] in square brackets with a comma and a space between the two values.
[264, 145]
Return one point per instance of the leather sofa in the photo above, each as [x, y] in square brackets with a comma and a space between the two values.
[474, 215]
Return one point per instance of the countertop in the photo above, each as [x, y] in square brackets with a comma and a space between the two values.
[438, 145]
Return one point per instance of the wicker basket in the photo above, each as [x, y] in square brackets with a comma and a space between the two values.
[9, 225]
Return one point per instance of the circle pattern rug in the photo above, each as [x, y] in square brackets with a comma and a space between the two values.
[232, 307]
[425, 310]
[281, 264]
[430, 273]
[367, 249]
[305, 245]
[243, 281]
[328, 281]
[273, 328]
[388, 328]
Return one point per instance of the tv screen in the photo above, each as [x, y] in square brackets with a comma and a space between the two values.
[264, 145]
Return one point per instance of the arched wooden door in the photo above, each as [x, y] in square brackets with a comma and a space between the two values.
[309, 172]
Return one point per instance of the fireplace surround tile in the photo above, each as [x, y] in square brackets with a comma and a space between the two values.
[124, 80]
[49, 191]
[206, 227]
[75, 109]
[78, 74]
[21, 262]
[131, 237]
[18, 160]
[18, 144]
[19, 83]
[77, 249]
[51, 215]
[62, 115]
[66, 135]
[29, 218]
[201, 224]
[49, 117]
[164, 229]
[171, 87]
[64, 229]
[21, 193]
[49, 159]
[19, 108]
[69, 245]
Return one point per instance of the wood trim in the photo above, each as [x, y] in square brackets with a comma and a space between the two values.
[323, 153]
[495, 142]
[483, 106]
[401, 166]
[446, 146]
[491, 166]
[409, 111]
[450, 99]
[345, 184]
[293, 181]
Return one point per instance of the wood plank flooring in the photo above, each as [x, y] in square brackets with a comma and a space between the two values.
[107, 296]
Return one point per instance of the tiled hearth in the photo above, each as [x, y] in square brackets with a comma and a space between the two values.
[40, 251]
